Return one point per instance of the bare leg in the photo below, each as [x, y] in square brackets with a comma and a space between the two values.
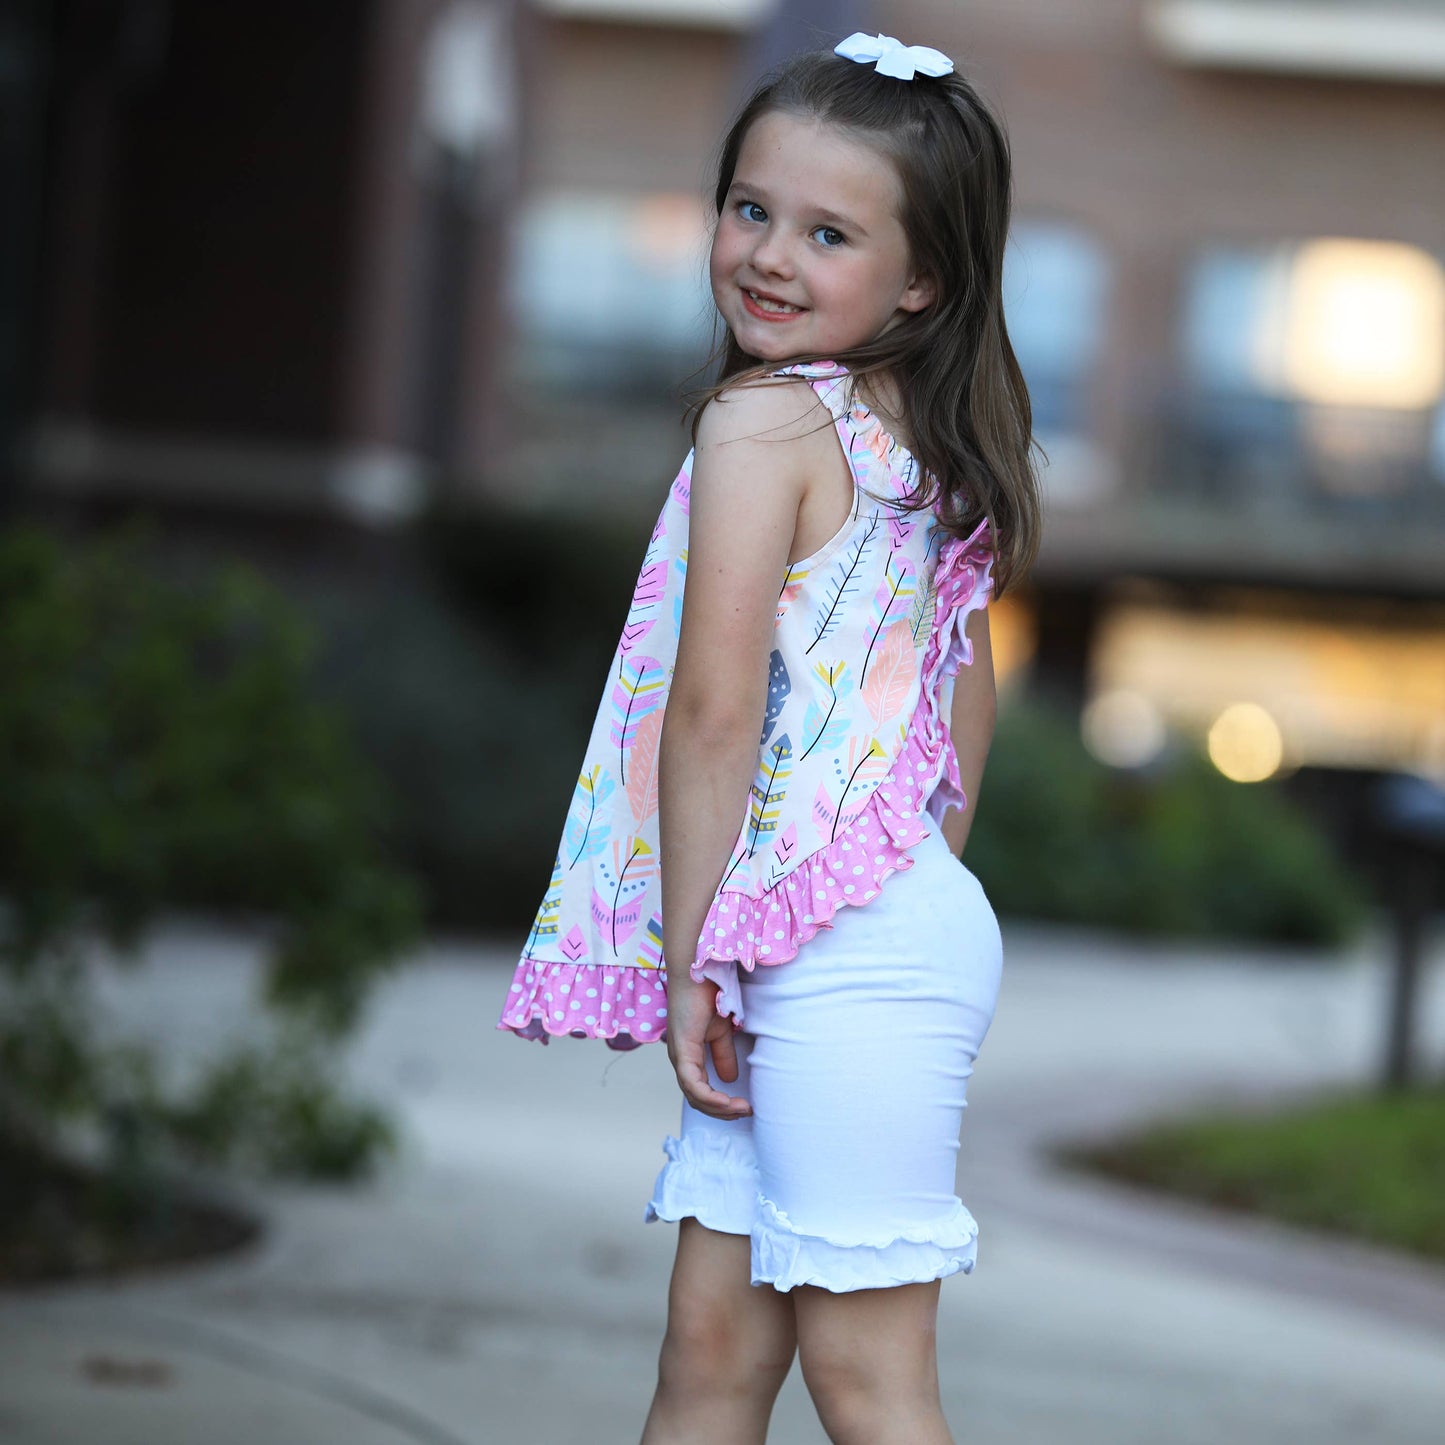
[728, 1346]
[870, 1360]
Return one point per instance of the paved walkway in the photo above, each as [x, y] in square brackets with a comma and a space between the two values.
[500, 1290]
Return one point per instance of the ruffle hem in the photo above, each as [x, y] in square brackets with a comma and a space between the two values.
[785, 1257]
[714, 1179]
[710, 1178]
[627, 1006]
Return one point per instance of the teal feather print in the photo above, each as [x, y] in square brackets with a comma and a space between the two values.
[825, 724]
[680, 563]
[896, 587]
[769, 788]
[586, 833]
[545, 923]
[843, 583]
[641, 685]
[618, 911]
[779, 686]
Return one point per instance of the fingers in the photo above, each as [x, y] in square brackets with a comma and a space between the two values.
[696, 1088]
[725, 1056]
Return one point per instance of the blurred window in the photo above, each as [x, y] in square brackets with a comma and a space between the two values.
[1382, 39]
[1054, 298]
[608, 292]
[1056, 280]
[1314, 371]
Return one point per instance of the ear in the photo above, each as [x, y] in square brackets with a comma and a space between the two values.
[920, 293]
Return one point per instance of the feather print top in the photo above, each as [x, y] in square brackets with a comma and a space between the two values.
[853, 748]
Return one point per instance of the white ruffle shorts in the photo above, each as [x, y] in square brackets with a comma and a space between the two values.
[855, 1055]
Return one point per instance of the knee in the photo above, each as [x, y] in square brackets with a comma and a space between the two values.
[708, 1351]
[852, 1381]
[838, 1384]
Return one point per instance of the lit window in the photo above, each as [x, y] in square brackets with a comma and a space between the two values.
[1268, 691]
[1313, 369]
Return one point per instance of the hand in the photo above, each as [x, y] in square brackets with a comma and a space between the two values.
[695, 1027]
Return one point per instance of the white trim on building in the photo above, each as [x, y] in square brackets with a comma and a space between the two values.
[713, 14]
[1388, 40]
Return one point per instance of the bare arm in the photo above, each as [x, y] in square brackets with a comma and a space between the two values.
[750, 473]
[971, 721]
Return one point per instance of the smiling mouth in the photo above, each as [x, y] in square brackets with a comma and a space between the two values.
[768, 304]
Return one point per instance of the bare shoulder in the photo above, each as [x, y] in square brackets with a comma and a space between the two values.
[772, 410]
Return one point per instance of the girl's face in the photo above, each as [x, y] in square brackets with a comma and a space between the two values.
[809, 255]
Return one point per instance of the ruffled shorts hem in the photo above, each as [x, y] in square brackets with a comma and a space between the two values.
[715, 1183]
[708, 1179]
[785, 1256]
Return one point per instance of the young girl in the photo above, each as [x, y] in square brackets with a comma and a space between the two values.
[787, 756]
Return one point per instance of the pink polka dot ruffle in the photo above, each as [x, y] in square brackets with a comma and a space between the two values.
[625, 1006]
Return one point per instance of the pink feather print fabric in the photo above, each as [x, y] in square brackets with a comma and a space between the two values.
[850, 744]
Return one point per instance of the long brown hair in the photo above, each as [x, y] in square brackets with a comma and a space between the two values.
[962, 395]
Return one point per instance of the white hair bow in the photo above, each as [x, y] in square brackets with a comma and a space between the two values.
[893, 57]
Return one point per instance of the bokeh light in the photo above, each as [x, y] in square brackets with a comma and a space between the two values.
[1245, 743]
[1123, 728]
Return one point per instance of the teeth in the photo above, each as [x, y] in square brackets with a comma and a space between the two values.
[770, 305]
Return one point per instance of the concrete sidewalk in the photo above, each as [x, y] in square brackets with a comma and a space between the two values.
[499, 1285]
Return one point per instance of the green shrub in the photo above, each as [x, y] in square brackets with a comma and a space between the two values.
[1182, 850]
[470, 681]
[479, 756]
[162, 745]
[1367, 1165]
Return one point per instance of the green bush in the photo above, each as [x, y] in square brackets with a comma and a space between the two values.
[479, 757]
[470, 677]
[162, 745]
[1182, 850]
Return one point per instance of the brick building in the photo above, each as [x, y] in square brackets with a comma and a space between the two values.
[334, 260]
[1227, 289]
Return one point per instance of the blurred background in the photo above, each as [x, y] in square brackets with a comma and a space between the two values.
[343, 354]
[298, 288]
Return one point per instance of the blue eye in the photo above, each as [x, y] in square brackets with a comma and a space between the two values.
[745, 209]
[831, 238]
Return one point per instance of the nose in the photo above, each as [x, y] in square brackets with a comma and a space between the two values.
[771, 255]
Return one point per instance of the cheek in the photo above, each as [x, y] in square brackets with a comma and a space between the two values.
[722, 257]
